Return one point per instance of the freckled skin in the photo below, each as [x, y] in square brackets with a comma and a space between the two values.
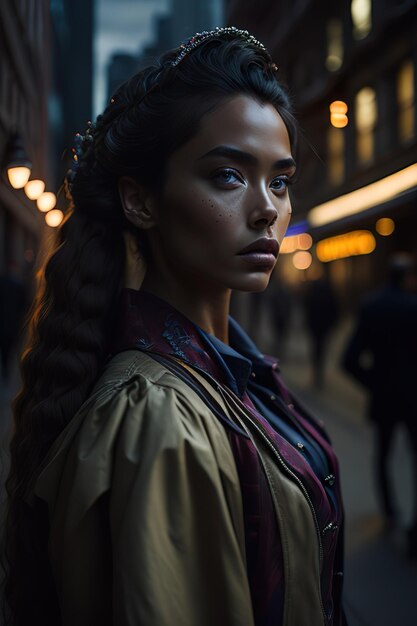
[206, 215]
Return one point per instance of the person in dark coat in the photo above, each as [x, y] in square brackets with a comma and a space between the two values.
[382, 355]
[321, 312]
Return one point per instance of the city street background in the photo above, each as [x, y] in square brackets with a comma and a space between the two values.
[350, 71]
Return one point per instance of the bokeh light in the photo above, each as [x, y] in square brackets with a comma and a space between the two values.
[34, 189]
[46, 201]
[350, 244]
[54, 218]
[18, 176]
[338, 117]
[385, 226]
[302, 260]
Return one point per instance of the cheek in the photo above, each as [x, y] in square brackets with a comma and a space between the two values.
[283, 221]
[200, 217]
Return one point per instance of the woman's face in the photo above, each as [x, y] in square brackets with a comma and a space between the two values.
[226, 190]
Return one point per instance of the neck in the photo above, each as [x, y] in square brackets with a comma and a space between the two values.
[208, 308]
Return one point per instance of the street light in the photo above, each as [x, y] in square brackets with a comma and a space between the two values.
[54, 218]
[46, 201]
[34, 189]
[338, 117]
[17, 162]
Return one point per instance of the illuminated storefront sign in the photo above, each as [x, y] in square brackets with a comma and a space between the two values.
[350, 244]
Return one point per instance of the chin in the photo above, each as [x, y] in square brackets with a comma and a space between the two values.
[254, 283]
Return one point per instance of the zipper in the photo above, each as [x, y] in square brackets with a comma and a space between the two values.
[271, 445]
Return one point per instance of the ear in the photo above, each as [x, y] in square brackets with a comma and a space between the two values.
[137, 202]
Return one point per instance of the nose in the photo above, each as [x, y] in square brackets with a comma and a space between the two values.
[264, 214]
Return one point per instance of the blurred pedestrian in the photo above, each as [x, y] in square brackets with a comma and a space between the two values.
[13, 305]
[321, 313]
[382, 355]
[280, 302]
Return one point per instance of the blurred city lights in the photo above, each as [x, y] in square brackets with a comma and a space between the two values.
[338, 117]
[34, 188]
[361, 11]
[17, 162]
[385, 226]
[303, 241]
[18, 176]
[302, 260]
[342, 246]
[334, 59]
[365, 197]
[46, 201]
[54, 217]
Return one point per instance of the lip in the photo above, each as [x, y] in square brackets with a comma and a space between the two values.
[264, 247]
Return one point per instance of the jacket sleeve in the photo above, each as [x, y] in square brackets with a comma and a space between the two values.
[174, 517]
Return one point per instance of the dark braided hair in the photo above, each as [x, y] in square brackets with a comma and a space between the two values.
[71, 321]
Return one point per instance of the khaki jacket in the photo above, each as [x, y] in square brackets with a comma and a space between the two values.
[146, 523]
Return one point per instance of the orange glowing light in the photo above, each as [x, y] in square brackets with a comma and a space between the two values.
[54, 218]
[338, 117]
[339, 120]
[338, 107]
[46, 201]
[296, 242]
[354, 243]
[34, 189]
[302, 260]
[385, 226]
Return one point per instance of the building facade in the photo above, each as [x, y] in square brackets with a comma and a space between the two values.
[24, 77]
[184, 19]
[357, 165]
[45, 97]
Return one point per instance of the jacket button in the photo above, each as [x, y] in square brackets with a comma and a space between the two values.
[253, 374]
[330, 480]
[272, 397]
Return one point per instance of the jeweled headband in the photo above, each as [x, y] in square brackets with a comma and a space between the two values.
[198, 38]
[82, 142]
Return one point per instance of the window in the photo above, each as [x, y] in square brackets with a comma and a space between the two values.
[405, 100]
[366, 115]
[361, 11]
[334, 57]
[336, 155]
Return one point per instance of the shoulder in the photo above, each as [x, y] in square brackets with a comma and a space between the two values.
[137, 412]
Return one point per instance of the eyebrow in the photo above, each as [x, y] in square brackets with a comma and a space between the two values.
[246, 157]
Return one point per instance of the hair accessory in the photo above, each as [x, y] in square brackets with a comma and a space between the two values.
[198, 38]
[81, 145]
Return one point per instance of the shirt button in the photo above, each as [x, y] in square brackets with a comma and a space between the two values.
[253, 374]
[300, 445]
[330, 480]
[272, 397]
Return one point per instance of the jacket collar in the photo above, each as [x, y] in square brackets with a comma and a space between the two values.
[148, 323]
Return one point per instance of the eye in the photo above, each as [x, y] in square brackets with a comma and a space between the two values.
[227, 177]
[281, 183]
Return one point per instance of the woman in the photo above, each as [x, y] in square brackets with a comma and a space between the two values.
[156, 450]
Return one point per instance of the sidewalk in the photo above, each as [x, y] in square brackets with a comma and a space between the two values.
[380, 583]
